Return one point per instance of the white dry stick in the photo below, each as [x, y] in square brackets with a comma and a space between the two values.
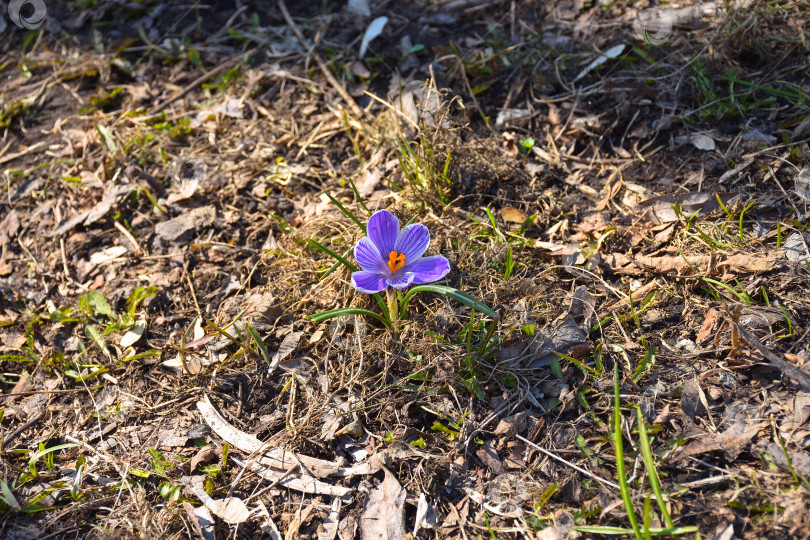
[566, 462]
[277, 458]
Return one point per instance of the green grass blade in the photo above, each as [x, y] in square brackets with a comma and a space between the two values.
[654, 531]
[8, 496]
[224, 333]
[450, 292]
[742, 215]
[359, 198]
[32, 463]
[334, 267]
[347, 213]
[260, 344]
[318, 245]
[649, 464]
[577, 363]
[341, 312]
[621, 473]
[742, 298]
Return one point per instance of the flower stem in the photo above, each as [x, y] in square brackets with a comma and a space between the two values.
[393, 308]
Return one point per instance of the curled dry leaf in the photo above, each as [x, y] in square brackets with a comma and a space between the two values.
[288, 345]
[230, 509]
[743, 263]
[207, 454]
[134, 333]
[426, 515]
[796, 248]
[702, 142]
[659, 210]
[374, 29]
[275, 458]
[709, 323]
[201, 519]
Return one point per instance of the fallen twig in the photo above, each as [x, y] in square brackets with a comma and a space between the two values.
[783, 365]
[356, 110]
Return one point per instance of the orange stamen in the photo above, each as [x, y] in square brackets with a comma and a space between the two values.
[395, 260]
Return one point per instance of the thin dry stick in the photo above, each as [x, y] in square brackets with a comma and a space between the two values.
[12, 157]
[191, 289]
[400, 113]
[291, 469]
[129, 236]
[783, 365]
[566, 462]
[356, 110]
[17, 432]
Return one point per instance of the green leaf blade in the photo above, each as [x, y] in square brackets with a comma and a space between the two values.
[454, 294]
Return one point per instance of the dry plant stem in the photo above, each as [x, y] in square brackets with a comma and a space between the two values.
[12, 157]
[356, 110]
[566, 462]
[802, 378]
[393, 308]
[17, 432]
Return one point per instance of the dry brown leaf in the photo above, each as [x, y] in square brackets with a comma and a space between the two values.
[739, 263]
[288, 345]
[513, 215]
[693, 399]
[659, 210]
[799, 412]
[201, 519]
[511, 425]
[708, 326]
[384, 514]
[207, 454]
[742, 427]
[300, 517]
[489, 457]
[176, 228]
[426, 515]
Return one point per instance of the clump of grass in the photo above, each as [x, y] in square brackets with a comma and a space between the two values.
[642, 530]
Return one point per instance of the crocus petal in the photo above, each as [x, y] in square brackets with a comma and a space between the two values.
[368, 282]
[401, 281]
[428, 269]
[368, 257]
[383, 228]
[412, 241]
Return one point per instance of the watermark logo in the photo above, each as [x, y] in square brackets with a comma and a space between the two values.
[29, 14]
[654, 25]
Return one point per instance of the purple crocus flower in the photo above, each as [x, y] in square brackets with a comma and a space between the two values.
[391, 257]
